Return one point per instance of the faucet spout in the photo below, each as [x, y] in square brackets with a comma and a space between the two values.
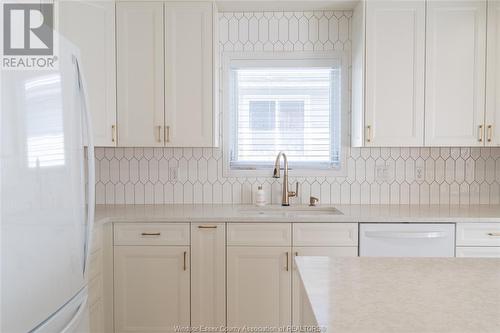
[276, 174]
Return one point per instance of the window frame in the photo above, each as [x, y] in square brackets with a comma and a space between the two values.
[231, 60]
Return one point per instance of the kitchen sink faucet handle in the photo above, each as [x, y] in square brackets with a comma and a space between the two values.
[313, 201]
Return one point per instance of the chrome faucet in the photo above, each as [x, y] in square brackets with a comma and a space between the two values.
[286, 194]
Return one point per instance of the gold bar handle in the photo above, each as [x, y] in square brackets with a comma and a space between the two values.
[368, 133]
[286, 266]
[167, 134]
[494, 234]
[159, 133]
[151, 234]
[184, 267]
[481, 134]
[113, 133]
[490, 133]
[207, 227]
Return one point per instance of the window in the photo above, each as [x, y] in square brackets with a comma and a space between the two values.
[291, 105]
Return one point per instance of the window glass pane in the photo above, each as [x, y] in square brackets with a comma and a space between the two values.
[262, 115]
[284, 109]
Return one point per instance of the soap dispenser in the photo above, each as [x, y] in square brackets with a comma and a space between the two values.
[260, 197]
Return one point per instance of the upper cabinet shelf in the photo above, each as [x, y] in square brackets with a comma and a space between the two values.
[419, 71]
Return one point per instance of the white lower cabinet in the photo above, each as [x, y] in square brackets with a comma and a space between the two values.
[478, 240]
[302, 313]
[258, 286]
[208, 274]
[151, 289]
[165, 276]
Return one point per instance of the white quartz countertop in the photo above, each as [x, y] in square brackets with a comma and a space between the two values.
[249, 213]
[421, 295]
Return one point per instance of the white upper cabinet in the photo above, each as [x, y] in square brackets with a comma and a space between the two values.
[493, 75]
[188, 74]
[140, 73]
[97, 50]
[395, 58]
[455, 73]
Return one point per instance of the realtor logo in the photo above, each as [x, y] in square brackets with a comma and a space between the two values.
[28, 36]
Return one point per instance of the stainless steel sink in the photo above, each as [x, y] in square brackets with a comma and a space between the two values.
[291, 211]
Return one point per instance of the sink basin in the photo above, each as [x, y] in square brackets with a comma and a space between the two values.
[290, 211]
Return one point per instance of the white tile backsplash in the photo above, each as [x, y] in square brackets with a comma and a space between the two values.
[194, 175]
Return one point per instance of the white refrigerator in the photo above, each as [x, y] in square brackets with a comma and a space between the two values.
[47, 198]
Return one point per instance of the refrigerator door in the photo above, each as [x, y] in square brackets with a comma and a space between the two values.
[73, 317]
[44, 218]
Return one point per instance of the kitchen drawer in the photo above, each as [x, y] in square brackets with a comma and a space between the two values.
[478, 234]
[478, 252]
[151, 234]
[259, 234]
[325, 234]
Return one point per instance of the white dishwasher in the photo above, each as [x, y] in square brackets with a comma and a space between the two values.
[406, 240]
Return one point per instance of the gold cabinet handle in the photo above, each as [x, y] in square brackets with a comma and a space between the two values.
[490, 133]
[368, 133]
[113, 133]
[494, 234]
[159, 133]
[480, 139]
[286, 265]
[184, 267]
[166, 134]
[207, 227]
[151, 234]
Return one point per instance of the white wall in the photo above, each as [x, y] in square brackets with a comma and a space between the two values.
[450, 175]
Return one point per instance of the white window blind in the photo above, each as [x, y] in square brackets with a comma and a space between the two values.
[290, 109]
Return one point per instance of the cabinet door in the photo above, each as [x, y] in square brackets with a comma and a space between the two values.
[151, 288]
[208, 275]
[258, 286]
[188, 74]
[140, 73]
[455, 73]
[302, 312]
[395, 52]
[97, 50]
[493, 75]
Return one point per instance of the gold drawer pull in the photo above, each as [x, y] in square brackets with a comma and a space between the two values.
[494, 234]
[490, 133]
[481, 134]
[185, 255]
[151, 234]
[207, 227]
[113, 133]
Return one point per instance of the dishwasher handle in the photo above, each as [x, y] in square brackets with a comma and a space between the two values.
[405, 234]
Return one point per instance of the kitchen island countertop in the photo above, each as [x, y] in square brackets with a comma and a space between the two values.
[421, 295]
